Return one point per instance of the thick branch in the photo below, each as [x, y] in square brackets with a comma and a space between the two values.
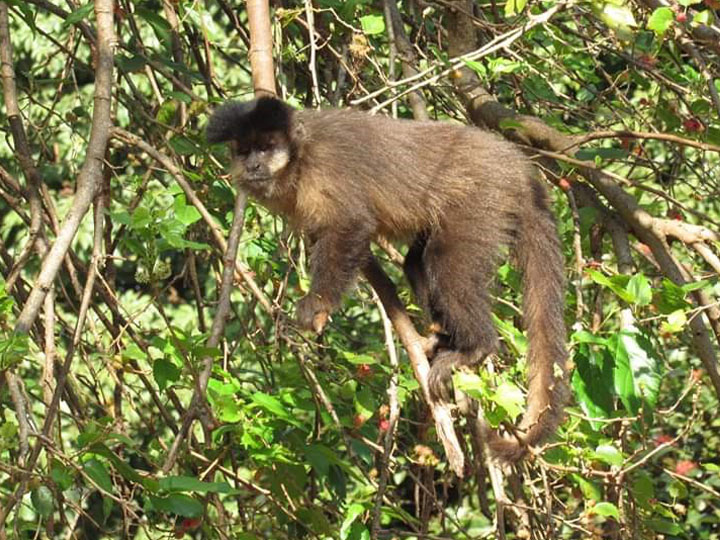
[90, 177]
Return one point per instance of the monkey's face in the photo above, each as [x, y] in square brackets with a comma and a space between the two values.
[259, 159]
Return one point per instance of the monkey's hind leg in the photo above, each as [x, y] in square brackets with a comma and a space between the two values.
[460, 270]
[414, 267]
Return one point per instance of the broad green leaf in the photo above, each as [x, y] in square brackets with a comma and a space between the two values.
[179, 504]
[183, 146]
[637, 371]
[354, 511]
[43, 501]
[674, 323]
[314, 518]
[616, 284]
[477, 67]
[321, 457]
[617, 16]
[639, 288]
[670, 298]
[660, 20]
[609, 454]
[98, 473]
[185, 213]
[79, 14]
[355, 358]
[590, 490]
[270, 404]
[643, 489]
[606, 509]
[189, 483]
[664, 527]
[372, 24]
[119, 464]
[706, 17]
[510, 398]
[63, 476]
[133, 352]
[512, 7]
[165, 372]
[677, 489]
[592, 382]
[365, 402]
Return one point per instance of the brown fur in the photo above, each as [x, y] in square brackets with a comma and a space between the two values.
[458, 194]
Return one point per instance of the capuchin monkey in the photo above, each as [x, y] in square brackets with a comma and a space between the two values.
[456, 194]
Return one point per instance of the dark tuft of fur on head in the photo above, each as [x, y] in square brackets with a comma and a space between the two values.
[235, 120]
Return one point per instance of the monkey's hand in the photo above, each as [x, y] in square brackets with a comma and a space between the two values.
[312, 312]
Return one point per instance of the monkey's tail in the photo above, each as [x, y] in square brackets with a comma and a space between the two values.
[541, 260]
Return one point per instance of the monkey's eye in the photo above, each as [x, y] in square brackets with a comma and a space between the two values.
[242, 150]
[265, 147]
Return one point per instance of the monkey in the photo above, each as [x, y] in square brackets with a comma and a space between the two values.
[456, 194]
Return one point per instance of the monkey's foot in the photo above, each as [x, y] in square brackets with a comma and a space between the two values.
[433, 343]
[440, 376]
[312, 313]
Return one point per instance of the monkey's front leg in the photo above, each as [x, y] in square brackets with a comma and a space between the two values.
[336, 256]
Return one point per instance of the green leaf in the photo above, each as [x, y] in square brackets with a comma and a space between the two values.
[133, 352]
[592, 382]
[372, 24]
[79, 14]
[354, 511]
[660, 20]
[133, 64]
[677, 489]
[617, 16]
[63, 476]
[270, 404]
[358, 359]
[189, 483]
[320, 458]
[706, 17]
[670, 298]
[179, 504]
[183, 146]
[510, 398]
[513, 7]
[98, 473]
[316, 520]
[616, 284]
[664, 527]
[141, 218]
[165, 372]
[639, 288]
[365, 402]
[477, 67]
[637, 371]
[185, 213]
[606, 509]
[42, 501]
[159, 25]
[674, 323]
[590, 490]
[643, 489]
[609, 454]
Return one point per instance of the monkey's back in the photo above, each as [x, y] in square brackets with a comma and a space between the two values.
[410, 175]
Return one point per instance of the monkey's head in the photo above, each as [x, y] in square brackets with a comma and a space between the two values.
[261, 145]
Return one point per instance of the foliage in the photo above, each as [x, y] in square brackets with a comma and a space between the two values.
[291, 443]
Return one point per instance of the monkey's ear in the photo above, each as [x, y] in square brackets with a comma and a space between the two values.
[235, 120]
[298, 131]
